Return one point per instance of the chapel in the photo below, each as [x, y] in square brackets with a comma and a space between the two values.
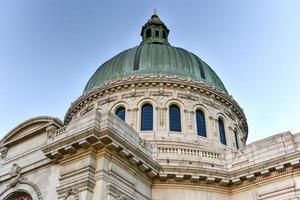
[154, 122]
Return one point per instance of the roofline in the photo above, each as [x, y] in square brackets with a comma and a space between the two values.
[28, 122]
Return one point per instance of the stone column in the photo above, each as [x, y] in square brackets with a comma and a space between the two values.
[161, 118]
[188, 123]
[132, 113]
[214, 128]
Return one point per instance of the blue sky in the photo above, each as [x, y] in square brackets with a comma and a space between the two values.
[49, 49]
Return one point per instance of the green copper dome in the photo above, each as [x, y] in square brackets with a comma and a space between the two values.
[155, 56]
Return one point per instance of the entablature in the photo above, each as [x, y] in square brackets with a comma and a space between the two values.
[97, 131]
[147, 81]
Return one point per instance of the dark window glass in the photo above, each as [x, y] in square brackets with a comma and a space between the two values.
[175, 121]
[200, 120]
[222, 131]
[236, 138]
[156, 33]
[147, 118]
[19, 196]
[120, 112]
[148, 33]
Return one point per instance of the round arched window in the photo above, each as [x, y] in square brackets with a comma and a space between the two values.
[200, 121]
[174, 118]
[18, 196]
[222, 131]
[147, 117]
[121, 112]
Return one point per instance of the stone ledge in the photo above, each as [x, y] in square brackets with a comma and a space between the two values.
[109, 136]
[224, 180]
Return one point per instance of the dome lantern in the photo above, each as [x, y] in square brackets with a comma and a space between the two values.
[155, 31]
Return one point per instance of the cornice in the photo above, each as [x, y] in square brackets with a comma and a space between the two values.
[139, 81]
[229, 180]
[105, 131]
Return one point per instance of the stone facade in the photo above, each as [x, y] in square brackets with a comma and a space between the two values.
[95, 155]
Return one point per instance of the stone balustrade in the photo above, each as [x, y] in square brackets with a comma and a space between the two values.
[185, 152]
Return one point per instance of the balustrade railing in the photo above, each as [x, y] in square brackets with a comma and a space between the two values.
[187, 152]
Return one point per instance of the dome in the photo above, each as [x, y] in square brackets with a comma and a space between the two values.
[155, 56]
[155, 59]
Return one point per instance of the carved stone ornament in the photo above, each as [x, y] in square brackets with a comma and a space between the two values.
[16, 178]
[3, 152]
[122, 197]
[51, 131]
[142, 142]
[72, 192]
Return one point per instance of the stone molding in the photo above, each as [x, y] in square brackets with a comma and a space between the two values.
[14, 136]
[157, 81]
[117, 193]
[16, 178]
[228, 180]
[103, 131]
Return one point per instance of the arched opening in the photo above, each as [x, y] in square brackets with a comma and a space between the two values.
[157, 33]
[148, 33]
[121, 112]
[174, 118]
[19, 196]
[236, 138]
[147, 117]
[222, 131]
[200, 121]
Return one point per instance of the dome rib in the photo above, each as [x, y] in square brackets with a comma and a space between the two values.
[155, 59]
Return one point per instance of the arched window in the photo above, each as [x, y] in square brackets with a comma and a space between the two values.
[222, 131]
[120, 112]
[200, 120]
[174, 118]
[19, 196]
[156, 33]
[147, 117]
[148, 33]
[236, 138]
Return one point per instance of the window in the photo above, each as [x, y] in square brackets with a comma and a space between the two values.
[236, 138]
[222, 131]
[120, 112]
[19, 195]
[156, 33]
[147, 117]
[200, 121]
[148, 33]
[174, 118]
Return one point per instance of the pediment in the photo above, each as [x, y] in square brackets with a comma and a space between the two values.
[30, 127]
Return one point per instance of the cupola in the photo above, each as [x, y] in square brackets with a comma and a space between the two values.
[155, 31]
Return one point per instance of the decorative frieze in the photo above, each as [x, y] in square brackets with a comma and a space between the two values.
[161, 83]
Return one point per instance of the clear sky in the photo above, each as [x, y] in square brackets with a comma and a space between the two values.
[49, 49]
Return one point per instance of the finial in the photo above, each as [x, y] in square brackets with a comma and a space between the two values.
[154, 12]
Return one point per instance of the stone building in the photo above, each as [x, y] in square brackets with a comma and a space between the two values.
[154, 122]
